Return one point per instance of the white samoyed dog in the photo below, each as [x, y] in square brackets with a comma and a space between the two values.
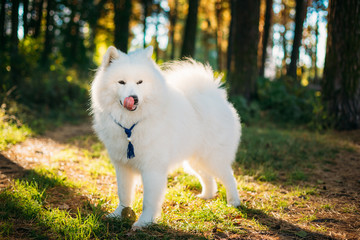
[150, 120]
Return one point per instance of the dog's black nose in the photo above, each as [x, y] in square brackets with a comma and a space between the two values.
[136, 99]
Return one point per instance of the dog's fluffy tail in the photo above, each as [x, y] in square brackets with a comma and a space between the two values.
[192, 77]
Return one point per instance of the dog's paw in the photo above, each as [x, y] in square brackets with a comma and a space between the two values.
[234, 202]
[140, 225]
[206, 196]
[114, 214]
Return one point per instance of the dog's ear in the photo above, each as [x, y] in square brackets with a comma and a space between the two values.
[111, 54]
[149, 51]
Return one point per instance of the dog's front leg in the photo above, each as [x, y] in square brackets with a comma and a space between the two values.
[125, 178]
[154, 183]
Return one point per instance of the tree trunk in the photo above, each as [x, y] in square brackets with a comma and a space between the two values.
[284, 19]
[71, 36]
[245, 38]
[267, 26]
[316, 77]
[14, 22]
[173, 19]
[25, 17]
[48, 31]
[156, 43]
[231, 31]
[188, 47]
[205, 40]
[300, 14]
[146, 4]
[14, 41]
[92, 19]
[2, 24]
[219, 34]
[341, 84]
[122, 21]
[39, 10]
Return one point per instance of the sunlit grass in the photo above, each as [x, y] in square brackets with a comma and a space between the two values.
[270, 153]
[34, 199]
[27, 200]
[58, 203]
[11, 131]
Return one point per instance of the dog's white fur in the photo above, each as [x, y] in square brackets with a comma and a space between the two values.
[182, 114]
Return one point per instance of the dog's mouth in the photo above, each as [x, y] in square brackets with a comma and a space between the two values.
[130, 103]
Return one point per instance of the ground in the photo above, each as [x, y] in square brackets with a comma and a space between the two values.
[64, 178]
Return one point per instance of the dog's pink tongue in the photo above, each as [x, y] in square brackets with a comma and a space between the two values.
[129, 103]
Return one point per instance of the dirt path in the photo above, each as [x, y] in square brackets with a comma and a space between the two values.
[36, 151]
[338, 181]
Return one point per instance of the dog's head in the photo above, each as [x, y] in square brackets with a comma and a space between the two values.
[126, 81]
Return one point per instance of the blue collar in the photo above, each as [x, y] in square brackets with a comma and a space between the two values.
[130, 149]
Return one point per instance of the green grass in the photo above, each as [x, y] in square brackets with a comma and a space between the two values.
[26, 200]
[270, 153]
[17, 121]
[62, 206]
[11, 131]
[34, 199]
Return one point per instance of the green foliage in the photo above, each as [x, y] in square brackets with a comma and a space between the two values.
[49, 85]
[247, 112]
[284, 101]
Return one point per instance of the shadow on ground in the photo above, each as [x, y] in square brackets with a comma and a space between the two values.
[17, 221]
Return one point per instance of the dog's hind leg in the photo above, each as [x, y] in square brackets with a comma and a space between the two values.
[208, 184]
[125, 178]
[225, 174]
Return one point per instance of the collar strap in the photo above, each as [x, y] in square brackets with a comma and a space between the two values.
[130, 149]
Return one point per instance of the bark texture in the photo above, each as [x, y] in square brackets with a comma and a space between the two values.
[244, 41]
[341, 85]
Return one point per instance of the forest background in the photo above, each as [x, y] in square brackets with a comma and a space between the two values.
[272, 52]
[292, 70]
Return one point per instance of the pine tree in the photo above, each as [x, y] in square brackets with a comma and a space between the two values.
[244, 39]
[266, 34]
[341, 84]
[299, 22]
[188, 47]
[122, 22]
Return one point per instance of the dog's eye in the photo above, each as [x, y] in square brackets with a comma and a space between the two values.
[121, 82]
[139, 82]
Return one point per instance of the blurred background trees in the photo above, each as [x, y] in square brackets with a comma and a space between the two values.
[272, 52]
